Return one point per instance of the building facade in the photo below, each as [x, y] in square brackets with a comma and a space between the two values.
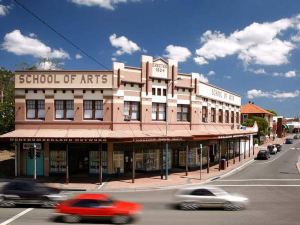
[126, 120]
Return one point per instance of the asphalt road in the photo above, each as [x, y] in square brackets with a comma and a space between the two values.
[273, 188]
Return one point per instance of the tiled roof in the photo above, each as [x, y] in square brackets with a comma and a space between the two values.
[251, 108]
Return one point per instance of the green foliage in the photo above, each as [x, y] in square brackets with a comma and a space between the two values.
[248, 123]
[263, 126]
[7, 103]
[273, 112]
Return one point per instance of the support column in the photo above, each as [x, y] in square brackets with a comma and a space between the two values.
[233, 151]
[67, 163]
[187, 160]
[110, 153]
[208, 160]
[239, 149]
[253, 145]
[16, 159]
[227, 154]
[162, 162]
[220, 155]
[249, 146]
[245, 145]
[133, 163]
[100, 163]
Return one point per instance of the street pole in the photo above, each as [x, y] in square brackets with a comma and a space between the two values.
[200, 161]
[186, 160]
[100, 163]
[16, 159]
[34, 155]
[167, 150]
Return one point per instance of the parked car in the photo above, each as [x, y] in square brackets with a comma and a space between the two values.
[97, 206]
[193, 198]
[29, 192]
[288, 141]
[279, 147]
[272, 149]
[296, 136]
[263, 154]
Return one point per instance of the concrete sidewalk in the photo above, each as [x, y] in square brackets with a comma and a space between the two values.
[175, 179]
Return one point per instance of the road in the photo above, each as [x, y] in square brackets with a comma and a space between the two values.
[272, 186]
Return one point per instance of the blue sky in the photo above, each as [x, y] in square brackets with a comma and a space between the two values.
[250, 47]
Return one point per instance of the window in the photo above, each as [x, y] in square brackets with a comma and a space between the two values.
[205, 99]
[35, 109]
[183, 113]
[64, 109]
[202, 192]
[213, 115]
[132, 110]
[204, 114]
[237, 119]
[164, 92]
[159, 111]
[153, 91]
[232, 117]
[87, 203]
[158, 91]
[226, 116]
[220, 116]
[245, 117]
[93, 109]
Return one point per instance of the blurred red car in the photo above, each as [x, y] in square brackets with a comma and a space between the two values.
[95, 205]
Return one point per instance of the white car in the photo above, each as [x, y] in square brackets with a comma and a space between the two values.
[193, 198]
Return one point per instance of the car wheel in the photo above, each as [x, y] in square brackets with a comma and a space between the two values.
[229, 206]
[49, 204]
[121, 219]
[189, 206]
[7, 203]
[71, 219]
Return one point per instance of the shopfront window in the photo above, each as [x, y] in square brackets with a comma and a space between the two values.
[35, 109]
[183, 113]
[57, 161]
[204, 114]
[147, 159]
[220, 116]
[226, 116]
[118, 161]
[131, 110]
[159, 111]
[64, 109]
[93, 109]
[94, 162]
[213, 115]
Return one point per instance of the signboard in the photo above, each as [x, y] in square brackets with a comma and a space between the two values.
[31, 145]
[218, 94]
[160, 69]
[62, 79]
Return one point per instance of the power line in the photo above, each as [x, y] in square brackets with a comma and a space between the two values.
[60, 34]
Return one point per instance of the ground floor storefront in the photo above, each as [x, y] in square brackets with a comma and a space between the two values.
[103, 159]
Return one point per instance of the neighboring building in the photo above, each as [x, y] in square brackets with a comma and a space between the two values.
[71, 116]
[293, 125]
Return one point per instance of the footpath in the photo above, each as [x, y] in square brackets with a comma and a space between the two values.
[175, 179]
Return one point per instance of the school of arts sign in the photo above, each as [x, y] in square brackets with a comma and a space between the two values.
[61, 79]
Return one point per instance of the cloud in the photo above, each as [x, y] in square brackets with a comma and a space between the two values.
[15, 42]
[78, 56]
[47, 65]
[289, 74]
[258, 43]
[123, 44]
[113, 59]
[178, 53]
[254, 93]
[106, 4]
[257, 71]
[33, 35]
[227, 77]
[211, 73]
[4, 10]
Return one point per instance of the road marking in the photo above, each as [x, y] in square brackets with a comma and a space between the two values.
[16, 216]
[100, 186]
[242, 180]
[255, 185]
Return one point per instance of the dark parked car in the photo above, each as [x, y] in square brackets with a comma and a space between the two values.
[263, 154]
[272, 149]
[296, 136]
[29, 192]
[279, 147]
[289, 141]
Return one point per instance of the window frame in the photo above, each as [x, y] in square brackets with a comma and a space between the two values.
[232, 116]
[130, 110]
[226, 116]
[180, 111]
[204, 115]
[213, 115]
[36, 104]
[93, 109]
[157, 106]
[237, 119]
[64, 108]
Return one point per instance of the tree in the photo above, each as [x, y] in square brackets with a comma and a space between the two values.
[7, 101]
[263, 126]
[272, 111]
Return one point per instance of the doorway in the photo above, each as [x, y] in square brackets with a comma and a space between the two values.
[127, 161]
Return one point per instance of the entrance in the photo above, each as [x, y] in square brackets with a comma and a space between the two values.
[127, 162]
[39, 163]
[79, 158]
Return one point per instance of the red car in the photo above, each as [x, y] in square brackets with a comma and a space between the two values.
[97, 206]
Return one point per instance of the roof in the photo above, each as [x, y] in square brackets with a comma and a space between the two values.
[251, 108]
[92, 196]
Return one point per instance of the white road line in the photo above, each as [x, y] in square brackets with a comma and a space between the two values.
[100, 186]
[256, 185]
[16, 216]
[242, 180]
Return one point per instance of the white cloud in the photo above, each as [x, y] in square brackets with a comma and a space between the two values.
[258, 71]
[258, 43]
[227, 77]
[113, 59]
[107, 4]
[254, 93]
[201, 77]
[15, 42]
[123, 44]
[178, 53]
[47, 65]
[211, 73]
[289, 74]
[78, 56]
[3, 10]
[33, 35]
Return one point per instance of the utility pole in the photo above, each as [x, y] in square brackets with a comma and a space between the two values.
[200, 161]
[34, 165]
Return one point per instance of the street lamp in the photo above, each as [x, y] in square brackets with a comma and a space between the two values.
[167, 150]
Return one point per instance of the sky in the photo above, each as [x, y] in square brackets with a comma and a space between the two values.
[250, 47]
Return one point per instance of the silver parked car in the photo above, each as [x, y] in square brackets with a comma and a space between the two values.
[192, 198]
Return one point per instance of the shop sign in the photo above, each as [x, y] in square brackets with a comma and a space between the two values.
[160, 69]
[31, 145]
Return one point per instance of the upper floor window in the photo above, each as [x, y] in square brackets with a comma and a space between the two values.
[220, 116]
[93, 109]
[64, 109]
[35, 109]
[205, 99]
[204, 114]
[237, 119]
[183, 113]
[232, 117]
[226, 116]
[153, 91]
[213, 115]
[131, 110]
[159, 111]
